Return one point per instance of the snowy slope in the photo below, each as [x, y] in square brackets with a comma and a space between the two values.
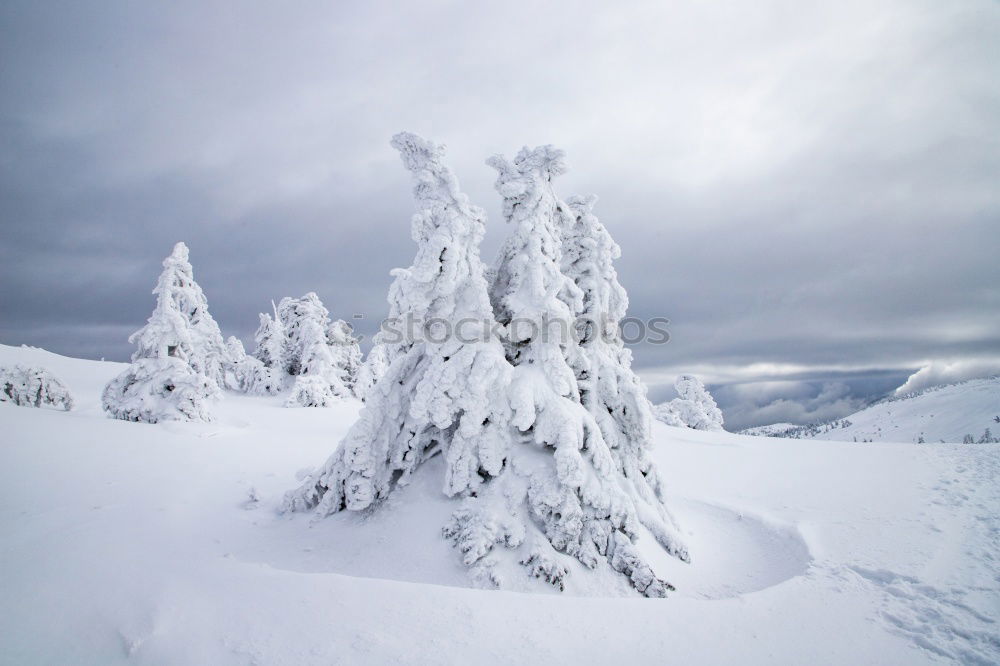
[940, 414]
[135, 543]
[772, 430]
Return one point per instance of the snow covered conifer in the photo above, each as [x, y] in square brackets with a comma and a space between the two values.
[441, 395]
[248, 374]
[33, 387]
[319, 381]
[181, 325]
[345, 350]
[314, 346]
[695, 407]
[562, 472]
[375, 365]
[179, 361]
[609, 389]
[270, 340]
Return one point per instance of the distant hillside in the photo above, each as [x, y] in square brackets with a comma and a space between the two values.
[952, 413]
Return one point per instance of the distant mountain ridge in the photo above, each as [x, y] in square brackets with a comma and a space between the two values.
[967, 411]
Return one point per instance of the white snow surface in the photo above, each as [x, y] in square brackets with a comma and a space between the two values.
[161, 544]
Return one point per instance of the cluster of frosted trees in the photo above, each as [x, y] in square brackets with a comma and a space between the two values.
[182, 364]
[694, 408]
[544, 438]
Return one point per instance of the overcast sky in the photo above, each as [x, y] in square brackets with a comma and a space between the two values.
[808, 191]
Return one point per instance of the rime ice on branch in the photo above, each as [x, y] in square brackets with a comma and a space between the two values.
[179, 361]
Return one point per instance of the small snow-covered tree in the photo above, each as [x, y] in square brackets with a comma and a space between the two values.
[371, 371]
[270, 340]
[182, 326]
[248, 374]
[180, 358]
[33, 387]
[313, 346]
[440, 395]
[345, 350]
[695, 408]
[319, 381]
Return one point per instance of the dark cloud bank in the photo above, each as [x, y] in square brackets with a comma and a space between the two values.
[807, 192]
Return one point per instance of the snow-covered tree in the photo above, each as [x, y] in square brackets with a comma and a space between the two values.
[609, 389]
[371, 371]
[270, 340]
[160, 389]
[181, 326]
[180, 358]
[695, 408]
[440, 394]
[567, 493]
[345, 350]
[312, 346]
[540, 487]
[248, 374]
[33, 387]
[319, 381]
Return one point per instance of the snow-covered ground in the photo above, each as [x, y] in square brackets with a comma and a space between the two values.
[135, 543]
[940, 414]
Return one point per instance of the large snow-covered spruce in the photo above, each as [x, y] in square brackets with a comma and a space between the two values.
[33, 387]
[609, 388]
[439, 395]
[539, 486]
[583, 498]
[180, 358]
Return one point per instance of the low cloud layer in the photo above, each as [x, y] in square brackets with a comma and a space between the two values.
[804, 190]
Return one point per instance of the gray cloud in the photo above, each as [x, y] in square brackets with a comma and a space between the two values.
[804, 190]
